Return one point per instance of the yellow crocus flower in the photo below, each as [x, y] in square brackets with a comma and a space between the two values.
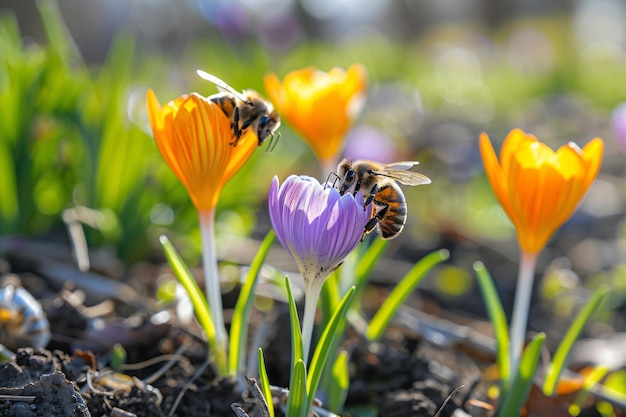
[320, 106]
[539, 188]
[194, 136]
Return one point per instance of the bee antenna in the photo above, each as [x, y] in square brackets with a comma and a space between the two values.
[328, 179]
[272, 144]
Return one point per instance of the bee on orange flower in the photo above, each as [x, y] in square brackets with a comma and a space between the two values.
[246, 110]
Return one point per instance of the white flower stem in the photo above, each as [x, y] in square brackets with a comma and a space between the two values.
[212, 284]
[312, 294]
[519, 320]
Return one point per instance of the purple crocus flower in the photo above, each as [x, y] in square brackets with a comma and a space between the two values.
[319, 228]
[618, 125]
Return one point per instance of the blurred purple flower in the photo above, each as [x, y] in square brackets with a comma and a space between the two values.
[618, 124]
[318, 226]
[370, 143]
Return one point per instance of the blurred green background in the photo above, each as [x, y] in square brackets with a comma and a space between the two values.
[74, 133]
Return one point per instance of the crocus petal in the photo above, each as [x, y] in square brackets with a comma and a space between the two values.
[320, 106]
[194, 137]
[316, 225]
[538, 188]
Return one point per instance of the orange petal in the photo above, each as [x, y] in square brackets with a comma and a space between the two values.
[593, 153]
[247, 143]
[495, 175]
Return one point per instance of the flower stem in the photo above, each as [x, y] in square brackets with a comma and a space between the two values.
[527, 266]
[212, 284]
[311, 296]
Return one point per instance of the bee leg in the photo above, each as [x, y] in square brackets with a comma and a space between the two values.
[235, 126]
[369, 226]
[376, 218]
[246, 124]
[370, 197]
[332, 174]
[347, 183]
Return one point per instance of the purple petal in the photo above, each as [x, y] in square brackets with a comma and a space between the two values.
[618, 125]
[315, 224]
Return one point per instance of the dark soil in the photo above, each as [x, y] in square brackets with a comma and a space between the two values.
[165, 372]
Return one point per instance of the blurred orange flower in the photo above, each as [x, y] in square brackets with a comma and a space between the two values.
[193, 136]
[320, 106]
[538, 188]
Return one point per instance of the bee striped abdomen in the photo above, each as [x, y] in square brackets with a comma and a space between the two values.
[390, 210]
[225, 102]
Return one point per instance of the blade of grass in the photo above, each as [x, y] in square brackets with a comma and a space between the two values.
[265, 384]
[589, 382]
[338, 391]
[368, 261]
[322, 350]
[57, 33]
[498, 320]
[399, 294]
[562, 352]
[297, 391]
[297, 352]
[199, 302]
[516, 397]
[9, 207]
[330, 296]
[241, 313]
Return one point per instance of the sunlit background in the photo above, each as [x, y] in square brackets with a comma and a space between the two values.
[75, 145]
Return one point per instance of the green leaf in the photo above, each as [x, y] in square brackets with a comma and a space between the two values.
[368, 261]
[498, 319]
[399, 294]
[340, 382]
[57, 33]
[297, 391]
[297, 353]
[330, 295]
[265, 383]
[241, 313]
[200, 305]
[516, 397]
[9, 206]
[562, 352]
[322, 350]
[591, 379]
[118, 357]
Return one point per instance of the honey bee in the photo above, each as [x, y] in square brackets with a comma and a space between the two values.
[245, 110]
[379, 185]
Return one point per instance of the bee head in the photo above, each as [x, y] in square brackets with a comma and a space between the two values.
[267, 126]
[346, 174]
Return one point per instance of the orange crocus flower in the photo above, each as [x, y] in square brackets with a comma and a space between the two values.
[193, 136]
[539, 188]
[320, 106]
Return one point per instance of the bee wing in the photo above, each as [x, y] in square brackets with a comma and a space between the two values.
[221, 85]
[401, 165]
[398, 171]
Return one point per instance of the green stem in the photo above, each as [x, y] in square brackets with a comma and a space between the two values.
[211, 279]
[527, 266]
